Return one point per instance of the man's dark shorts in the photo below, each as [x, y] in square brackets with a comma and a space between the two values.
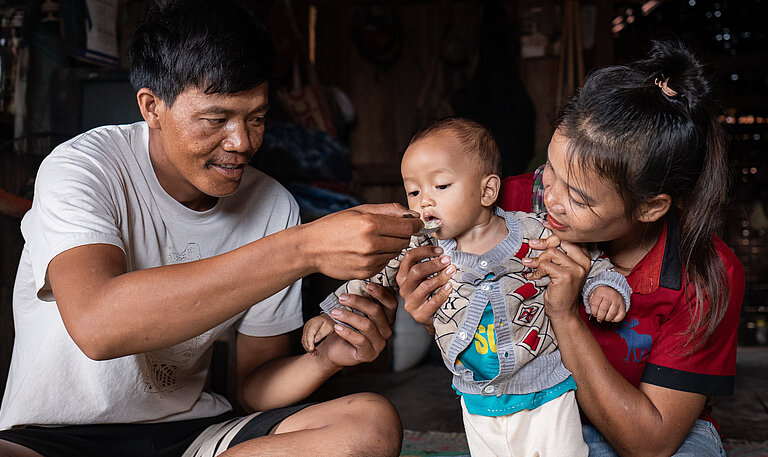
[198, 437]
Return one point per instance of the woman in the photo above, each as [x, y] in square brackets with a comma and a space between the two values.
[637, 164]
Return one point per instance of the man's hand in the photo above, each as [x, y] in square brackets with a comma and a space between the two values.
[418, 278]
[347, 347]
[357, 243]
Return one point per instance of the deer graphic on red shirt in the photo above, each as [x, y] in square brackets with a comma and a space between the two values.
[634, 340]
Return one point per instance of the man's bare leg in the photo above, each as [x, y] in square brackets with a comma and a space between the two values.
[8, 449]
[361, 424]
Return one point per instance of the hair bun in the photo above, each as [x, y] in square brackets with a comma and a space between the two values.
[674, 61]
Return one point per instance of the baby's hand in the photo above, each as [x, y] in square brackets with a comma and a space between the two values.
[607, 304]
[315, 330]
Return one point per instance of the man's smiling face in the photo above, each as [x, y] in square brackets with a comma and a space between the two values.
[204, 142]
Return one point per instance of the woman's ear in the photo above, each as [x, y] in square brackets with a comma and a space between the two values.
[655, 208]
[149, 104]
[491, 185]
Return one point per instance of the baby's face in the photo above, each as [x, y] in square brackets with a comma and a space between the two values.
[443, 183]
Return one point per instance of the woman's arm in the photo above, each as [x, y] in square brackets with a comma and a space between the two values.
[651, 420]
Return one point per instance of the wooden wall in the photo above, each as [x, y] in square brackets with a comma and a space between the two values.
[390, 99]
[393, 101]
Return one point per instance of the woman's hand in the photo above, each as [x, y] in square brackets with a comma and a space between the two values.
[567, 269]
[417, 279]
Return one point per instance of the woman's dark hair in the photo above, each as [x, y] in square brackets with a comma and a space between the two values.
[474, 138]
[651, 128]
[214, 45]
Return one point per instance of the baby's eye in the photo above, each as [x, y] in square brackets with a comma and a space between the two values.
[413, 193]
[443, 186]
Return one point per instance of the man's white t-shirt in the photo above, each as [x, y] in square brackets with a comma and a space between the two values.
[100, 187]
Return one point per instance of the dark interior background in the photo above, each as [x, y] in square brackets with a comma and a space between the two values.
[376, 72]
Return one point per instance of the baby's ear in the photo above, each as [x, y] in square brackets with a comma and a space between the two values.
[491, 185]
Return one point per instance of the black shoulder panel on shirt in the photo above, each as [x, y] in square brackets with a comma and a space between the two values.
[707, 384]
[672, 264]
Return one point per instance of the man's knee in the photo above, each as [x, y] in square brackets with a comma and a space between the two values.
[8, 449]
[378, 423]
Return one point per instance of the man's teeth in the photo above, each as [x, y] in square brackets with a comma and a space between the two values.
[227, 166]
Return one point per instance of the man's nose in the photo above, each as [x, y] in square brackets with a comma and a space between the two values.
[238, 138]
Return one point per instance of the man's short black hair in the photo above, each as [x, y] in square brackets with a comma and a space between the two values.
[216, 46]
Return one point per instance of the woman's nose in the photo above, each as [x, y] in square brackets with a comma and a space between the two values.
[552, 199]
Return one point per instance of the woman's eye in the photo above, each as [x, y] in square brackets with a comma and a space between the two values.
[578, 203]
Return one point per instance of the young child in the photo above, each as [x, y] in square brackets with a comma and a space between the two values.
[492, 332]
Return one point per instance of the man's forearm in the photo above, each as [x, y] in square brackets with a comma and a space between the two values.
[144, 310]
[13, 205]
[110, 312]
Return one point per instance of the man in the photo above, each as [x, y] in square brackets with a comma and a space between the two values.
[146, 241]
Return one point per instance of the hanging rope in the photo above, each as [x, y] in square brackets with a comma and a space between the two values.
[571, 68]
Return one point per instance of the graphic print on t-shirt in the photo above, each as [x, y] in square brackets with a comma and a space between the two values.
[638, 344]
[481, 356]
[165, 366]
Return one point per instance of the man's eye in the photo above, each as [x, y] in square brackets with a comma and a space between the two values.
[258, 120]
[215, 121]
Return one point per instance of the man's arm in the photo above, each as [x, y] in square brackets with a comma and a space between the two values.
[268, 377]
[13, 205]
[111, 313]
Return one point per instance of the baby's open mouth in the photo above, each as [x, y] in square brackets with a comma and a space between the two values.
[431, 225]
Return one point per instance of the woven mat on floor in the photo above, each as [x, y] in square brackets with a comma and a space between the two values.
[740, 448]
[434, 444]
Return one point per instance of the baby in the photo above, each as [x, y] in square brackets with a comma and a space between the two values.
[492, 331]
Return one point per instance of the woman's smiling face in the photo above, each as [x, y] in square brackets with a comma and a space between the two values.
[581, 206]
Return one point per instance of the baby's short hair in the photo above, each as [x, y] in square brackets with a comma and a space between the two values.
[475, 138]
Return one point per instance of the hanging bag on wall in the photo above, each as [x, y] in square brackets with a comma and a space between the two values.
[305, 101]
[303, 98]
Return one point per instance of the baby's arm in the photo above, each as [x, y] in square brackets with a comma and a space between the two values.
[315, 330]
[606, 292]
[606, 304]
[386, 278]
